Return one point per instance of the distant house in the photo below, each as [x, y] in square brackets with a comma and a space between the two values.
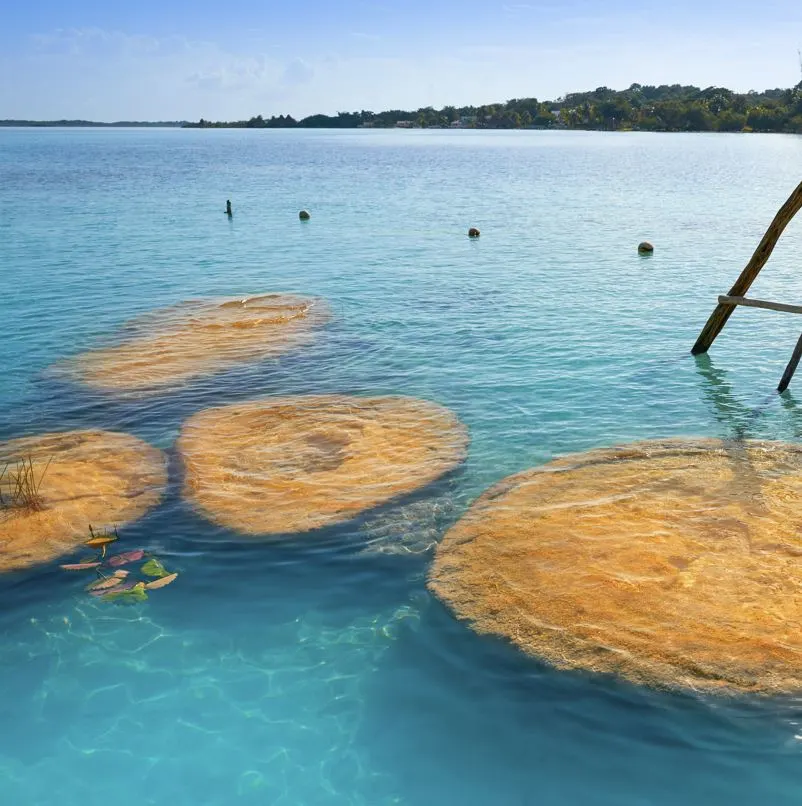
[464, 122]
[404, 124]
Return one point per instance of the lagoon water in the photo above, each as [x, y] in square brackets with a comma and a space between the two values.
[317, 669]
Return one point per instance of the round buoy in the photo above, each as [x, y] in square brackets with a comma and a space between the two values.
[473, 232]
[645, 248]
[304, 215]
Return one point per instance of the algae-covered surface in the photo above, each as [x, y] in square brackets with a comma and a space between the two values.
[84, 478]
[671, 563]
[296, 464]
[174, 345]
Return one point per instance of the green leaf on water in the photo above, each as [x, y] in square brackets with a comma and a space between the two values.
[154, 568]
[129, 596]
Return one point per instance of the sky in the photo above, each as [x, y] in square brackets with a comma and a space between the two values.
[232, 59]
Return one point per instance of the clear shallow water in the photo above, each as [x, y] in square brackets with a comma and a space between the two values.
[318, 670]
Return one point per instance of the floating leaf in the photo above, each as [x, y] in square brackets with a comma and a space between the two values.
[126, 557]
[101, 540]
[154, 568]
[100, 585]
[84, 566]
[106, 585]
[127, 593]
[161, 583]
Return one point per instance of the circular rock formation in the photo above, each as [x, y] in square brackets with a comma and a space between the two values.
[672, 564]
[295, 464]
[71, 480]
[196, 338]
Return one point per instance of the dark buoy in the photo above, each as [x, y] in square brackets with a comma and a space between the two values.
[229, 211]
[645, 248]
[473, 232]
[304, 215]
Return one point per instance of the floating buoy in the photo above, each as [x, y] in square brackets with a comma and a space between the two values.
[473, 232]
[304, 215]
[229, 211]
[645, 248]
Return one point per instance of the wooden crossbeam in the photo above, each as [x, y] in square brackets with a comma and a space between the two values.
[723, 311]
[759, 303]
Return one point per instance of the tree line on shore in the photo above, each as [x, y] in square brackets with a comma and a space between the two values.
[673, 108]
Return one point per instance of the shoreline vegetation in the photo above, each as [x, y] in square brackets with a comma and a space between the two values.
[667, 108]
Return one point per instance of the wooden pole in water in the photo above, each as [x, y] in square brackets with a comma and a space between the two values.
[722, 313]
[791, 368]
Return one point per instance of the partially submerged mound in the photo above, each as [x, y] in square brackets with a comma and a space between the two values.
[196, 338]
[79, 478]
[672, 564]
[295, 464]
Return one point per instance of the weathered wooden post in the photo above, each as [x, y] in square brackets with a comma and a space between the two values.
[723, 310]
[791, 368]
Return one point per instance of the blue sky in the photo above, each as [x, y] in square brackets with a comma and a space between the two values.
[237, 58]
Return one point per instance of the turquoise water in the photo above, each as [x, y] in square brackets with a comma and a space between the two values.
[318, 670]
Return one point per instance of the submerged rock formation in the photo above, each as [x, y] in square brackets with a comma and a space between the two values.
[72, 479]
[295, 464]
[675, 564]
[174, 345]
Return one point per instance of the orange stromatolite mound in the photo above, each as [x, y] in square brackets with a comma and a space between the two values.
[295, 464]
[92, 477]
[674, 564]
[177, 344]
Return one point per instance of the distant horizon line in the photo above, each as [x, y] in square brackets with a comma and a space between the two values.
[22, 123]
[686, 90]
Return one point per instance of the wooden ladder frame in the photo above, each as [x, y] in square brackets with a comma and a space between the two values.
[729, 302]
